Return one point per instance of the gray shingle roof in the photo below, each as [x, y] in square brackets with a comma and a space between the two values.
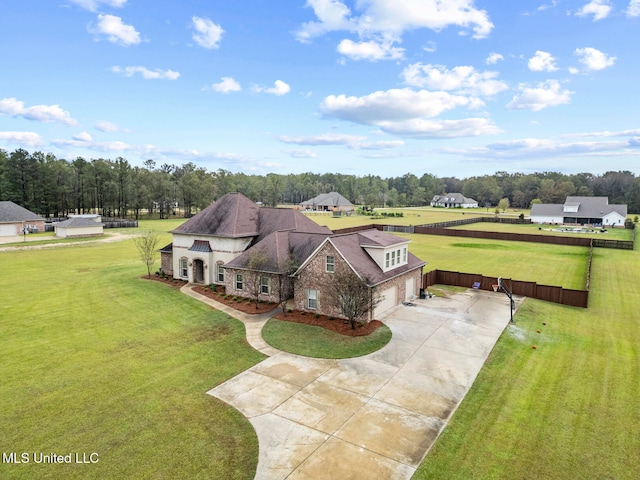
[350, 247]
[78, 222]
[331, 199]
[12, 212]
[283, 249]
[234, 215]
[588, 207]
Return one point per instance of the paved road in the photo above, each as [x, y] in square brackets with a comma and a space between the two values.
[374, 416]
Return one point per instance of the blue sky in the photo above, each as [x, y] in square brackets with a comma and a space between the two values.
[360, 87]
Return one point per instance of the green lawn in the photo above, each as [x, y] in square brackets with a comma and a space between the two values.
[568, 409]
[545, 264]
[534, 229]
[295, 338]
[96, 359]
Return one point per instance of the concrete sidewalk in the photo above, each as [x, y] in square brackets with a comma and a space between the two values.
[374, 416]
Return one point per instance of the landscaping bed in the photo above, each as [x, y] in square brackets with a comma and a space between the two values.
[242, 304]
[337, 325]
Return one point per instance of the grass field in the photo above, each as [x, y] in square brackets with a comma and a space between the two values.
[534, 229]
[568, 409]
[96, 359]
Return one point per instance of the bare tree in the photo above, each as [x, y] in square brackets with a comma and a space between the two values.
[258, 259]
[147, 245]
[352, 296]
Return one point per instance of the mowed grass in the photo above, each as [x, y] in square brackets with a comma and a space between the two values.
[295, 338]
[96, 359]
[534, 229]
[556, 265]
[568, 409]
[411, 216]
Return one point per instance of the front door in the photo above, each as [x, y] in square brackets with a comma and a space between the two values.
[198, 271]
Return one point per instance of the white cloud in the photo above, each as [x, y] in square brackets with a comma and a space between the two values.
[395, 104]
[381, 145]
[633, 10]
[384, 21]
[208, 34]
[594, 59]
[325, 139]
[27, 139]
[407, 112]
[226, 85]
[83, 137]
[115, 30]
[279, 88]
[370, 50]
[600, 9]
[493, 58]
[461, 79]
[106, 126]
[93, 5]
[306, 153]
[147, 74]
[39, 113]
[332, 15]
[546, 94]
[542, 62]
[422, 128]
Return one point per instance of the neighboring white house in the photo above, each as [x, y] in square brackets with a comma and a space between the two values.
[453, 200]
[580, 211]
[79, 226]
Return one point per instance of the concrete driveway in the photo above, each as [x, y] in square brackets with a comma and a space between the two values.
[374, 416]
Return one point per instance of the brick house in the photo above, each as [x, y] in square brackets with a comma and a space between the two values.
[203, 244]
[278, 254]
[381, 258]
[16, 220]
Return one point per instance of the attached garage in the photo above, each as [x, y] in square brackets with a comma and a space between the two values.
[8, 230]
[390, 300]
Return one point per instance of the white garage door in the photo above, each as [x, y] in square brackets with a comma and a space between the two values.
[410, 292]
[7, 230]
[390, 295]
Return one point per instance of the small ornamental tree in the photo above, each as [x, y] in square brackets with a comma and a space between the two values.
[258, 259]
[147, 246]
[352, 296]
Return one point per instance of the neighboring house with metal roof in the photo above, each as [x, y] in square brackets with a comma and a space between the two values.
[453, 200]
[79, 226]
[580, 211]
[328, 202]
[15, 220]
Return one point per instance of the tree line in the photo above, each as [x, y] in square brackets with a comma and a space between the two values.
[55, 187]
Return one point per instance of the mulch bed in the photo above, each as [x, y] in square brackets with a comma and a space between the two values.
[337, 325]
[172, 282]
[245, 305]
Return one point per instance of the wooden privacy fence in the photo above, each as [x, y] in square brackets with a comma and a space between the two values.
[564, 296]
[504, 236]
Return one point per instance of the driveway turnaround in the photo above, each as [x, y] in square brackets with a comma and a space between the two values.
[374, 416]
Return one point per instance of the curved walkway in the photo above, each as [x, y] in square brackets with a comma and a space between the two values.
[374, 416]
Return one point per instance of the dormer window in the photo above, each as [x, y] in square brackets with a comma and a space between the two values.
[330, 264]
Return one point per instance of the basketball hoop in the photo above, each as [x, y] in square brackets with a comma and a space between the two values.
[495, 287]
